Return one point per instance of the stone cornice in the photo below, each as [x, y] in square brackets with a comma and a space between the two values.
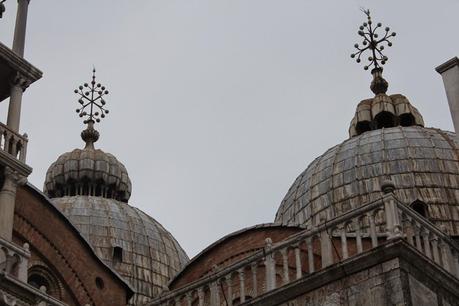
[19, 64]
[12, 162]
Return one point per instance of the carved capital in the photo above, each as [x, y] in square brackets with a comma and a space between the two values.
[20, 80]
[14, 176]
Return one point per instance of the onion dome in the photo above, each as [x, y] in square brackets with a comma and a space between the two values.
[92, 189]
[88, 171]
[387, 140]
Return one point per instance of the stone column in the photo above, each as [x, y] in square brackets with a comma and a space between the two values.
[18, 85]
[450, 74]
[7, 200]
[270, 266]
[20, 27]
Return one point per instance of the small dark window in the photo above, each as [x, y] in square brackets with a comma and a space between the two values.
[38, 281]
[420, 207]
[99, 283]
[362, 127]
[385, 120]
[406, 120]
[117, 255]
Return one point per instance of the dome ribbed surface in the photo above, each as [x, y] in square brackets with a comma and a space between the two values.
[88, 172]
[150, 254]
[423, 164]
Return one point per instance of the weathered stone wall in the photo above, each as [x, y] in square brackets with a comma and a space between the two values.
[380, 285]
[392, 274]
[385, 284]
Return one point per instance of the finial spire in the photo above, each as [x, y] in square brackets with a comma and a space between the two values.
[92, 108]
[375, 45]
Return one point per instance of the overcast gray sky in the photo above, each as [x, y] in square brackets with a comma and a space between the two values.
[217, 105]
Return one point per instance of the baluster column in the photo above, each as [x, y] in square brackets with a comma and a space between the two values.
[242, 285]
[270, 266]
[445, 256]
[358, 236]
[214, 294]
[425, 236]
[253, 267]
[326, 249]
[200, 297]
[298, 261]
[417, 235]
[344, 250]
[373, 235]
[436, 255]
[286, 277]
[310, 255]
[410, 231]
[229, 286]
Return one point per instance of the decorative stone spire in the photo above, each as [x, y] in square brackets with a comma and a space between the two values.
[92, 108]
[375, 45]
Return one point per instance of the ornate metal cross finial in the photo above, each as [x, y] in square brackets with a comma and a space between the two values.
[373, 43]
[91, 100]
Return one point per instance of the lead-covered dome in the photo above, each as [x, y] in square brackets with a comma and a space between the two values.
[422, 162]
[138, 247]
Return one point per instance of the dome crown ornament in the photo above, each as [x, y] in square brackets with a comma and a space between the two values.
[92, 108]
[89, 171]
[374, 44]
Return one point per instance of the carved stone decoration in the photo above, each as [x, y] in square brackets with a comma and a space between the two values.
[10, 301]
[20, 80]
[14, 176]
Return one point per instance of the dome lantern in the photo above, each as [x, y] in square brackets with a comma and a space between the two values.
[89, 171]
[382, 111]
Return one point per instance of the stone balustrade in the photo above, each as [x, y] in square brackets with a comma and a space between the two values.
[314, 249]
[12, 143]
[14, 259]
[432, 242]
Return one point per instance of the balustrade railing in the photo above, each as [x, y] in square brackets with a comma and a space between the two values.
[13, 143]
[316, 248]
[14, 259]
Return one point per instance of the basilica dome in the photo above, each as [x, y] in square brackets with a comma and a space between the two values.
[92, 189]
[387, 140]
[134, 244]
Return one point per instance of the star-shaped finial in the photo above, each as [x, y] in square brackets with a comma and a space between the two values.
[91, 100]
[373, 43]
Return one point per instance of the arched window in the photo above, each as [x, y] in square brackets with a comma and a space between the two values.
[385, 120]
[362, 127]
[420, 207]
[38, 281]
[407, 120]
[41, 276]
